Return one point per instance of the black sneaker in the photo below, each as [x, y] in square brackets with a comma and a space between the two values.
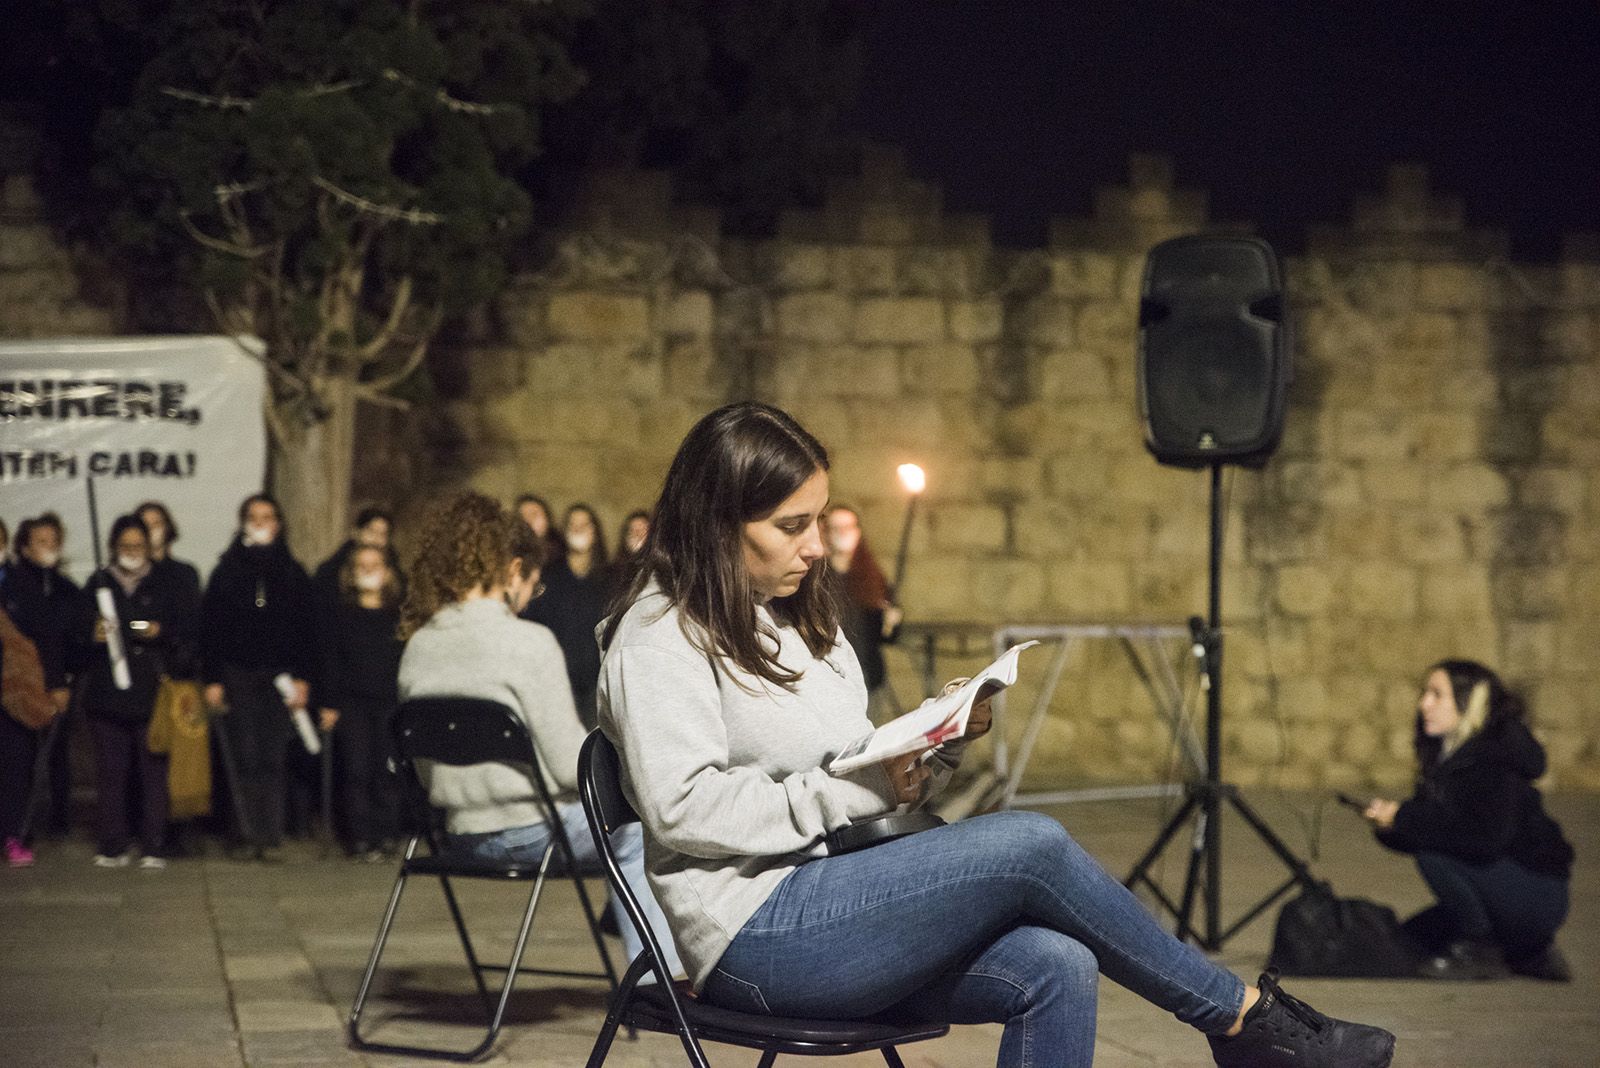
[1465, 960]
[1549, 965]
[1281, 1031]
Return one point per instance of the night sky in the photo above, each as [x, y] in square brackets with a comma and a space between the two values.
[1282, 111]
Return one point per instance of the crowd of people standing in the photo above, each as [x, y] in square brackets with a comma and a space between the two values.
[260, 643]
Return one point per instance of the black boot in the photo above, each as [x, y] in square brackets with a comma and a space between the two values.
[1465, 960]
[1280, 1030]
[1548, 964]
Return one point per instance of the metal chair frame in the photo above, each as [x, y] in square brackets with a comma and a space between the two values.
[461, 731]
[665, 1009]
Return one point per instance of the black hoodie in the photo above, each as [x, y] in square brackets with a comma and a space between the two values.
[43, 603]
[1479, 804]
[257, 613]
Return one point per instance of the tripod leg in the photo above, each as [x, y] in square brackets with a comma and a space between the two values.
[1302, 874]
[1141, 870]
[1191, 881]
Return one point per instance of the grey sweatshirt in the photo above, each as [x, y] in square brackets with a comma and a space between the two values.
[478, 648]
[728, 781]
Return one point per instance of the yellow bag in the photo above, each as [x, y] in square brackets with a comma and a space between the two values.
[178, 728]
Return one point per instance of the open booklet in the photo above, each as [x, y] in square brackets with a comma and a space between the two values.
[936, 720]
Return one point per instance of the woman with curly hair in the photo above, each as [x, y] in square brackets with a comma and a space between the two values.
[477, 568]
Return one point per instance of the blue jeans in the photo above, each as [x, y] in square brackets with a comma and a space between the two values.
[1501, 903]
[527, 844]
[997, 919]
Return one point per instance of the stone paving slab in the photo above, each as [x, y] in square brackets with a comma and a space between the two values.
[217, 964]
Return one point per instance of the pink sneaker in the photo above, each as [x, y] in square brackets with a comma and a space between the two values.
[17, 854]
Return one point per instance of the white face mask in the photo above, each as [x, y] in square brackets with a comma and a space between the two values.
[129, 563]
[369, 581]
[581, 542]
[259, 535]
[47, 559]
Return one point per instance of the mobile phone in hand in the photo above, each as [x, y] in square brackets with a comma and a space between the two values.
[1350, 802]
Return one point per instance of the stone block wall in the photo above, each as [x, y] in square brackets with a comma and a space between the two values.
[1434, 494]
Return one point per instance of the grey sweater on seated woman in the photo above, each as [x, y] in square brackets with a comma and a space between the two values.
[477, 648]
[725, 769]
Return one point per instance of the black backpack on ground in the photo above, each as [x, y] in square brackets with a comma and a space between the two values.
[1322, 934]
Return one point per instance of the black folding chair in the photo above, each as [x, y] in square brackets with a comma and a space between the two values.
[662, 1007]
[461, 731]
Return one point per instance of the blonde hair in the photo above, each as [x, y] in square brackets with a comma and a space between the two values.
[1473, 717]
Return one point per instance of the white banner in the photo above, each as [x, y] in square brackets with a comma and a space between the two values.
[171, 419]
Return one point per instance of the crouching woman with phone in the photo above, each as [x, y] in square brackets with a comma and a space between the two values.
[727, 687]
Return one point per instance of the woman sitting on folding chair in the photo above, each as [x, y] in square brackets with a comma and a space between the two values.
[727, 686]
[477, 568]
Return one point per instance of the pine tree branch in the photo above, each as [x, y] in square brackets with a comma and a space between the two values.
[391, 326]
[414, 216]
[217, 244]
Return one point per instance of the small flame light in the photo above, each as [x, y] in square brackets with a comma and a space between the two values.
[913, 478]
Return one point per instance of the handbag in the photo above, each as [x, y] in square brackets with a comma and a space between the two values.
[178, 728]
[22, 688]
[1322, 934]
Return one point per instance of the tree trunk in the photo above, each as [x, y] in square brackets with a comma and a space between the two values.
[311, 468]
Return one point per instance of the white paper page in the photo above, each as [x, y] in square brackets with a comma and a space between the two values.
[935, 721]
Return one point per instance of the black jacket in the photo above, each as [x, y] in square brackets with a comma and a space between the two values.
[257, 614]
[183, 655]
[43, 604]
[360, 654]
[572, 607]
[1479, 804]
[159, 598]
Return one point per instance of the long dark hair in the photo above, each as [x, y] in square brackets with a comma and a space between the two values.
[735, 466]
[1504, 706]
[598, 551]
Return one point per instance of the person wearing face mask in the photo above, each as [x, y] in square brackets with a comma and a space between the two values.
[118, 702]
[257, 625]
[358, 638]
[577, 586]
[861, 590]
[374, 528]
[42, 601]
[179, 574]
[476, 569]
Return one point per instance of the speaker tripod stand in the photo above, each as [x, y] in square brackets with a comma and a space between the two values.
[1205, 798]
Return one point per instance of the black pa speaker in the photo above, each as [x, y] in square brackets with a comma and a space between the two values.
[1213, 351]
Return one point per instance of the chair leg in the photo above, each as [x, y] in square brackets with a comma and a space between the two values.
[354, 1026]
[618, 1009]
[514, 963]
[892, 1055]
[767, 1058]
[594, 930]
[466, 941]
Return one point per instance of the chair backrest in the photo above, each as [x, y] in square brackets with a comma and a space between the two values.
[461, 730]
[600, 791]
[600, 783]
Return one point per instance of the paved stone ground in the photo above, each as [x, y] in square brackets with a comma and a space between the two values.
[214, 963]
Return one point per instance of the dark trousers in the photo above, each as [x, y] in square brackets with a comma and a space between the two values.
[121, 757]
[258, 730]
[58, 818]
[1501, 903]
[369, 793]
[18, 744]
